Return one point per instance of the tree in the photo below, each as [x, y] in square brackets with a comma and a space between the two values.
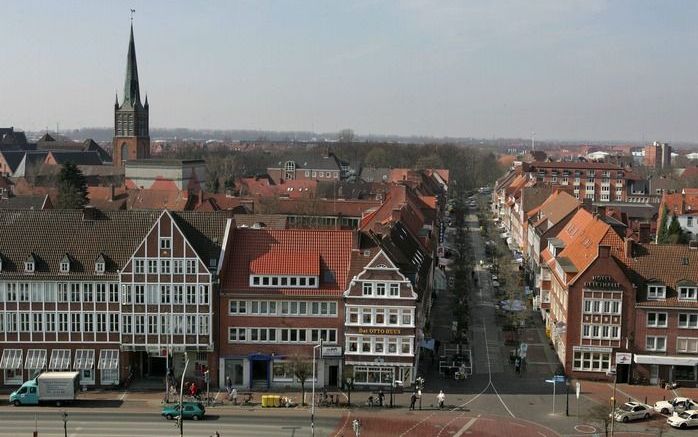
[377, 158]
[432, 160]
[72, 187]
[302, 370]
[663, 224]
[676, 235]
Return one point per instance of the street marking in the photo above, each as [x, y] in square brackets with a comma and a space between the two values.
[623, 393]
[465, 427]
[344, 425]
[123, 395]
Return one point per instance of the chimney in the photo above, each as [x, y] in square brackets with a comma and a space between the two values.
[89, 213]
[586, 204]
[644, 233]
[628, 247]
[112, 193]
[601, 210]
[201, 197]
[604, 251]
[693, 244]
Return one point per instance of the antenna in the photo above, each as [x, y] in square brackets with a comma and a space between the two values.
[133, 11]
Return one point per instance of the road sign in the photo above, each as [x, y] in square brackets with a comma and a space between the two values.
[579, 389]
[552, 381]
[560, 378]
[623, 357]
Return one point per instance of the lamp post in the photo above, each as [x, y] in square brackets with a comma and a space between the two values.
[420, 385]
[181, 395]
[613, 372]
[312, 406]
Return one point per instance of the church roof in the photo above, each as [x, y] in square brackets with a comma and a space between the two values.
[132, 93]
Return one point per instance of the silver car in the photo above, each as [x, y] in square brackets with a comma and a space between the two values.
[632, 411]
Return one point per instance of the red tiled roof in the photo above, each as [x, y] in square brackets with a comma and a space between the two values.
[682, 203]
[253, 248]
[281, 262]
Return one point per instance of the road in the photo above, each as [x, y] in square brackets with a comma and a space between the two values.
[49, 423]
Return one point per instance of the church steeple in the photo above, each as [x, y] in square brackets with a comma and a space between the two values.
[131, 118]
[132, 94]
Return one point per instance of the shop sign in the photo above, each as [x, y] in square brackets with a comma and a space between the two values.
[332, 351]
[380, 331]
[593, 349]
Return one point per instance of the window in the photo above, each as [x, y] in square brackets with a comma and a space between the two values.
[62, 322]
[165, 292]
[367, 289]
[75, 322]
[352, 344]
[380, 289]
[203, 294]
[38, 325]
[373, 375]
[75, 292]
[392, 317]
[139, 266]
[126, 324]
[656, 292]
[101, 322]
[152, 266]
[655, 343]
[353, 315]
[204, 324]
[178, 266]
[29, 267]
[191, 324]
[394, 290]
[165, 243]
[687, 345]
[140, 294]
[178, 295]
[406, 345]
[657, 320]
[113, 322]
[101, 295]
[88, 322]
[688, 320]
[113, 292]
[139, 323]
[407, 317]
[60, 359]
[591, 361]
[99, 267]
[165, 266]
[191, 266]
[688, 293]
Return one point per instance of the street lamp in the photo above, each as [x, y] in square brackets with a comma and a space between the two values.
[312, 407]
[613, 372]
[181, 395]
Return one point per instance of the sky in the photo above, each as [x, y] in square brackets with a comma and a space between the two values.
[623, 70]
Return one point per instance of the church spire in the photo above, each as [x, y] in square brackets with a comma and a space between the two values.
[132, 95]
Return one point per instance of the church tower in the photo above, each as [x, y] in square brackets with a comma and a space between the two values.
[131, 134]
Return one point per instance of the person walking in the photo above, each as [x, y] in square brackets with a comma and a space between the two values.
[229, 385]
[440, 399]
[413, 400]
[234, 396]
[193, 391]
[381, 396]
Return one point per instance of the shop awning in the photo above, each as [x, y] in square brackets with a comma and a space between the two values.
[666, 361]
[108, 359]
[11, 359]
[84, 359]
[60, 359]
[36, 359]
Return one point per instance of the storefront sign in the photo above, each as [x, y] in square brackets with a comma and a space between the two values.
[380, 331]
[332, 351]
[623, 357]
[593, 349]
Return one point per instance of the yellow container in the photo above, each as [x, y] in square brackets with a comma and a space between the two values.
[276, 400]
[265, 401]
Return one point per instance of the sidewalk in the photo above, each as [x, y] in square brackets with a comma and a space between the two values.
[601, 392]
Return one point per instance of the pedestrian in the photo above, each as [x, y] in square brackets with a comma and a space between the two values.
[413, 400]
[441, 398]
[234, 396]
[229, 385]
[517, 365]
[193, 390]
[380, 398]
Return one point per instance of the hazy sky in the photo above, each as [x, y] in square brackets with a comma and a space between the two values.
[586, 69]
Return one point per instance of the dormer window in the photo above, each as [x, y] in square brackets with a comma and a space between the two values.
[656, 291]
[65, 264]
[688, 293]
[100, 265]
[30, 264]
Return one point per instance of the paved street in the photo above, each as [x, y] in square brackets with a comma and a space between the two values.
[118, 424]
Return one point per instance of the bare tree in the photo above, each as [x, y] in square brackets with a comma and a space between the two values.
[302, 370]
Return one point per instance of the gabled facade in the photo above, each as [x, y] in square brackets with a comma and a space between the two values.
[94, 294]
[380, 338]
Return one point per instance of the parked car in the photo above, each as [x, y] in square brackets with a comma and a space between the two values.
[677, 404]
[632, 411]
[687, 419]
[192, 410]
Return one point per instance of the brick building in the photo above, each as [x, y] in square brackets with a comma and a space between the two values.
[107, 292]
[596, 181]
[657, 155]
[281, 294]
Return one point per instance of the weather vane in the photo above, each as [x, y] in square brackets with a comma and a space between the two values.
[133, 11]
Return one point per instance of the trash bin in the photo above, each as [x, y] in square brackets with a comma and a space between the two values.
[265, 401]
[276, 401]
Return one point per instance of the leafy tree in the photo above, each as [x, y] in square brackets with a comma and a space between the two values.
[429, 161]
[72, 187]
[302, 370]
